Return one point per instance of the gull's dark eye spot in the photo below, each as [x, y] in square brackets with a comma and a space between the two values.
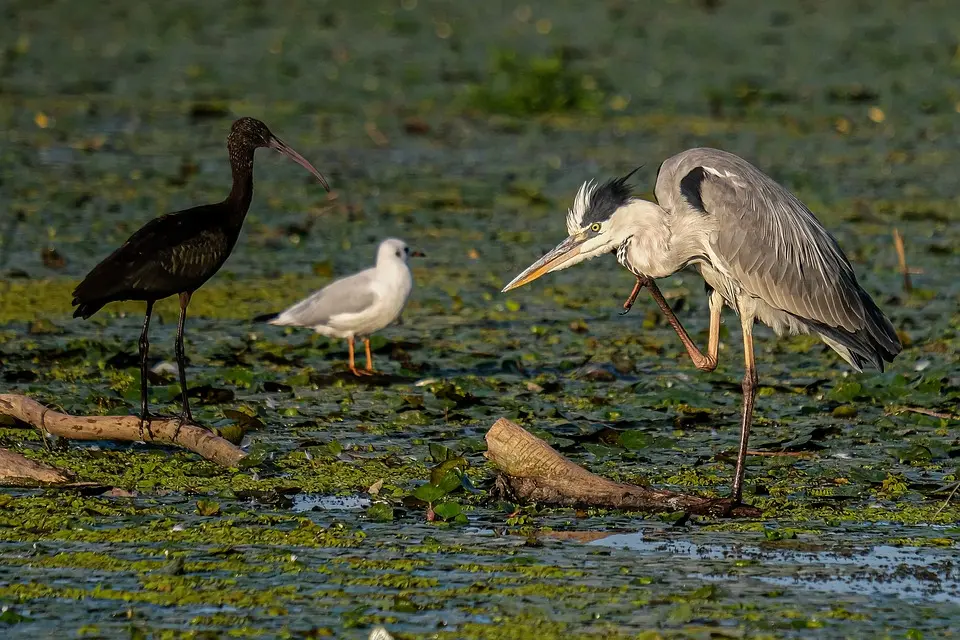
[595, 227]
[398, 254]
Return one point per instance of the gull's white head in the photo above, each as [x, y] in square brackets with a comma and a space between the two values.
[394, 249]
[597, 224]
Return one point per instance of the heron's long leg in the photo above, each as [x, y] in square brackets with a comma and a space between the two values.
[632, 297]
[703, 362]
[749, 395]
[144, 345]
[366, 344]
[181, 361]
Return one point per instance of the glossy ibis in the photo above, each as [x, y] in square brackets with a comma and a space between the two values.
[178, 252]
[357, 305]
[757, 247]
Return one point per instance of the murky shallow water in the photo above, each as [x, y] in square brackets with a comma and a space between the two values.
[293, 548]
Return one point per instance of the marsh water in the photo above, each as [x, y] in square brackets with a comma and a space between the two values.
[466, 129]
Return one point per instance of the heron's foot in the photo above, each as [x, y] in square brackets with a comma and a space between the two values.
[360, 372]
[370, 371]
[632, 297]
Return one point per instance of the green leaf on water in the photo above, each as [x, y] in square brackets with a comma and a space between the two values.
[845, 392]
[634, 439]
[428, 493]
[440, 453]
[257, 454]
[447, 510]
[438, 475]
[380, 511]
[602, 451]
[450, 481]
[208, 507]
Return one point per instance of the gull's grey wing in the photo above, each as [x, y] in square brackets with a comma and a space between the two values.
[772, 245]
[350, 295]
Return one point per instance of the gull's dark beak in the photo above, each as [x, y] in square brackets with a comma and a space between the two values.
[556, 259]
[281, 146]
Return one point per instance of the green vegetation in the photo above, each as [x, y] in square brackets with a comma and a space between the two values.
[369, 502]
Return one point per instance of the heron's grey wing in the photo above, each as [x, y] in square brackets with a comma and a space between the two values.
[349, 295]
[776, 250]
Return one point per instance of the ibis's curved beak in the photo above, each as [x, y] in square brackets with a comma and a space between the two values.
[282, 147]
[557, 259]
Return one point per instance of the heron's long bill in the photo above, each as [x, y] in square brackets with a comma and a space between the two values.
[281, 146]
[563, 253]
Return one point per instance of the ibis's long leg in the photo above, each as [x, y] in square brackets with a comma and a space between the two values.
[144, 345]
[749, 395]
[703, 362]
[185, 415]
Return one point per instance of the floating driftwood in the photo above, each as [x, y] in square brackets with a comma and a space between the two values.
[532, 471]
[18, 471]
[121, 428]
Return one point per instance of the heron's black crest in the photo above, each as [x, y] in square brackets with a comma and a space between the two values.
[597, 203]
[690, 188]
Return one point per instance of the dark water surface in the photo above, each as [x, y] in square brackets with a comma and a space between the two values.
[465, 129]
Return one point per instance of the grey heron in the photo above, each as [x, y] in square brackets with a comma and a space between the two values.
[757, 247]
[357, 305]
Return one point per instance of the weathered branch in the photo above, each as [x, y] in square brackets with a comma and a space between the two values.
[18, 471]
[123, 428]
[531, 470]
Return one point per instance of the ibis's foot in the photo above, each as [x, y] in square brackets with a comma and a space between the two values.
[732, 508]
[145, 425]
[182, 419]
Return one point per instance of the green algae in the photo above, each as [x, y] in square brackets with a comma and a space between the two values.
[477, 171]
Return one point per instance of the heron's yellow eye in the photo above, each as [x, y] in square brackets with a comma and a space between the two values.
[595, 227]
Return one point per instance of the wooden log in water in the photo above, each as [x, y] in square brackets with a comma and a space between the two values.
[532, 471]
[121, 428]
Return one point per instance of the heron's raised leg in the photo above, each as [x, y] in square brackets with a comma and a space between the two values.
[703, 362]
[632, 297]
[144, 345]
[185, 415]
[749, 395]
[366, 344]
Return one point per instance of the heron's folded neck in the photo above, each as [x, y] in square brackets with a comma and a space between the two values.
[659, 244]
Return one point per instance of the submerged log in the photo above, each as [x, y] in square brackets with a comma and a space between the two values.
[121, 428]
[531, 470]
[18, 471]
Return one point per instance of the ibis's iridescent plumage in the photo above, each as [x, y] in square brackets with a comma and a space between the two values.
[177, 253]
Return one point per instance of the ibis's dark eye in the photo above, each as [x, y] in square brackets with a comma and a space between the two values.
[595, 227]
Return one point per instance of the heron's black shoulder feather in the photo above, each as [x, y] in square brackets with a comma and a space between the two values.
[690, 188]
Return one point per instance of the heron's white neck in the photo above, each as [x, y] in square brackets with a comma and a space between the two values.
[659, 244]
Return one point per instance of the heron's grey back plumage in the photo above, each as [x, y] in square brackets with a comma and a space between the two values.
[350, 295]
[773, 248]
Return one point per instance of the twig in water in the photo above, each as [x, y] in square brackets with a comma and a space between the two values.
[947, 501]
[928, 412]
[902, 260]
